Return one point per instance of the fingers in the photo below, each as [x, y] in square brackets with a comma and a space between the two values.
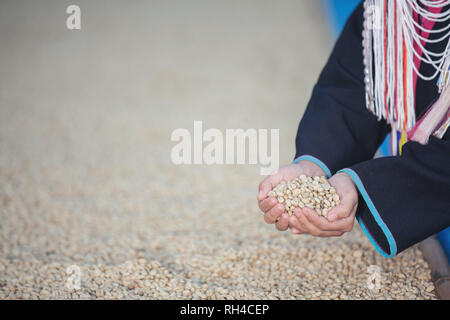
[301, 223]
[338, 213]
[267, 204]
[283, 222]
[322, 224]
[295, 225]
[328, 234]
[342, 211]
[296, 231]
[265, 186]
[272, 215]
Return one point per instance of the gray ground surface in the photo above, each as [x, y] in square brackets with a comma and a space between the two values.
[85, 171]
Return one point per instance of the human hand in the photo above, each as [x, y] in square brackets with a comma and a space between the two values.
[274, 212]
[340, 219]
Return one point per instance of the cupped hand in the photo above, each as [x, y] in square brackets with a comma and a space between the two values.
[274, 212]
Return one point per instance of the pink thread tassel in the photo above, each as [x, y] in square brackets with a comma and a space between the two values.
[429, 123]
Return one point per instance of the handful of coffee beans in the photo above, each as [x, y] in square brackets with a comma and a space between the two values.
[312, 192]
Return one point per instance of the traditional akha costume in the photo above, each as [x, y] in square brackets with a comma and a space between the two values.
[388, 73]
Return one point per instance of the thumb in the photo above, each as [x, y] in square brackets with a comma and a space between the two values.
[337, 213]
[342, 211]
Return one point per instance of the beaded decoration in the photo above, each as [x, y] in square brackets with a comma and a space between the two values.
[393, 37]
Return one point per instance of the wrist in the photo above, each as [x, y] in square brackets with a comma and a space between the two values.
[322, 167]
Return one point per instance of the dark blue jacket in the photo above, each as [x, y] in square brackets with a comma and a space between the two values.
[403, 199]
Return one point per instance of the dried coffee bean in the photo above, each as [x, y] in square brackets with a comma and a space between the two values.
[313, 192]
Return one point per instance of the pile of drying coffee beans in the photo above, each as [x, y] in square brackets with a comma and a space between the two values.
[312, 192]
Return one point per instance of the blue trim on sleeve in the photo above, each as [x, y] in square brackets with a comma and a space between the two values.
[376, 215]
[316, 161]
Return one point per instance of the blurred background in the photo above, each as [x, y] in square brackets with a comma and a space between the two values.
[85, 173]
